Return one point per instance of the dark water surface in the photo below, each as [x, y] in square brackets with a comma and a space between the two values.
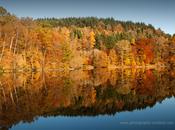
[88, 100]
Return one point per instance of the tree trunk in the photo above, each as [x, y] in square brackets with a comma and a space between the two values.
[43, 60]
[122, 58]
[16, 43]
[3, 48]
[11, 43]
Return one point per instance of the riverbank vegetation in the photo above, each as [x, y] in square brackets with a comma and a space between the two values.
[28, 44]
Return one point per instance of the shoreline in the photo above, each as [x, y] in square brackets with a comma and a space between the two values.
[84, 68]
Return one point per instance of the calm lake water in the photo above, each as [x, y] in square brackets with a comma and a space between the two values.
[88, 100]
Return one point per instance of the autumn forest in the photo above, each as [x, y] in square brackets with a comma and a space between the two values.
[71, 66]
[28, 44]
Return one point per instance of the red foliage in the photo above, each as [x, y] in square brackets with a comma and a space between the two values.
[145, 85]
[144, 47]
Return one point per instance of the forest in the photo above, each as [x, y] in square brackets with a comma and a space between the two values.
[45, 44]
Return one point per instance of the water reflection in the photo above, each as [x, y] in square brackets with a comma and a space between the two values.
[24, 97]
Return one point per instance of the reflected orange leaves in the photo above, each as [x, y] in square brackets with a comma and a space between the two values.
[99, 91]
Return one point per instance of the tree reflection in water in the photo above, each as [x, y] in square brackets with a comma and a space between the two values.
[24, 97]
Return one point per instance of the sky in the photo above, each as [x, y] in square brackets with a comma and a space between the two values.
[159, 13]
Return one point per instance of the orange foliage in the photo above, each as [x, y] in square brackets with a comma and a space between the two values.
[144, 48]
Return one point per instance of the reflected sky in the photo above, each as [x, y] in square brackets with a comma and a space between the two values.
[161, 116]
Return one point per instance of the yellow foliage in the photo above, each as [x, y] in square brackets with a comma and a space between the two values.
[133, 41]
[173, 39]
[112, 57]
[45, 37]
[21, 61]
[119, 28]
[133, 63]
[113, 77]
[142, 63]
[92, 39]
[125, 89]
[127, 61]
[100, 58]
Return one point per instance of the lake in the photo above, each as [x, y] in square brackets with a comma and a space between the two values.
[89, 100]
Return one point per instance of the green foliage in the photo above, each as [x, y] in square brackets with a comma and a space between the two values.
[3, 11]
[98, 39]
[110, 40]
[92, 22]
[67, 53]
[77, 33]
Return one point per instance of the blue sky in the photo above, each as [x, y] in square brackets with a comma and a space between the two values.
[159, 13]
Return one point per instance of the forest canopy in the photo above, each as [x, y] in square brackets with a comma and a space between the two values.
[28, 44]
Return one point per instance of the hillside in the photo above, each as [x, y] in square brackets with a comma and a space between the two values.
[80, 43]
